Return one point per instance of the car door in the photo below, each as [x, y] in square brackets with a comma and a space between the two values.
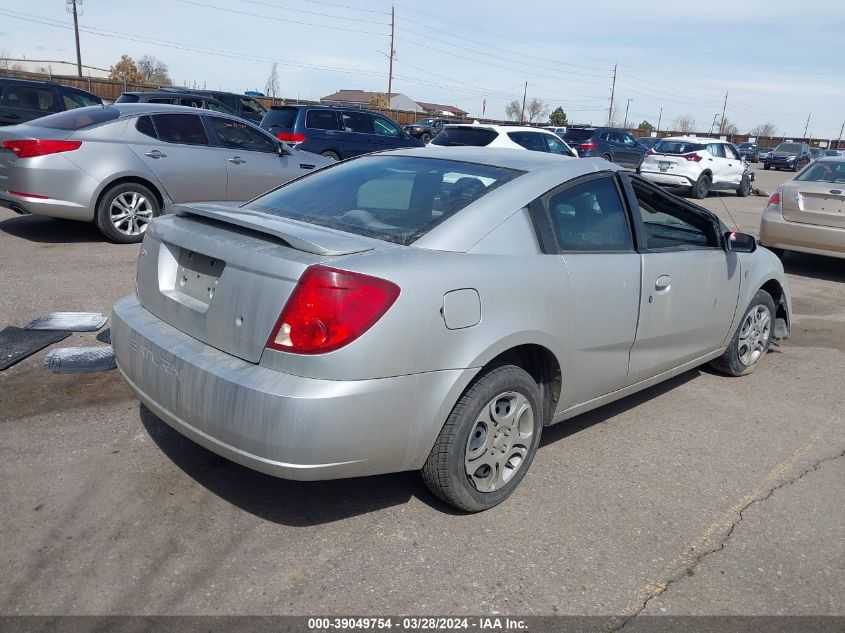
[690, 284]
[176, 149]
[252, 159]
[633, 151]
[735, 166]
[356, 133]
[591, 232]
[20, 103]
[387, 134]
[716, 162]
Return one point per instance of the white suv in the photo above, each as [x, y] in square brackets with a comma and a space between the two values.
[512, 136]
[699, 164]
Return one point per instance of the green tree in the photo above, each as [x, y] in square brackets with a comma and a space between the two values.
[379, 101]
[645, 126]
[558, 117]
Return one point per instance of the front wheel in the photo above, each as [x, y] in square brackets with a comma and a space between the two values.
[425, 138]
[701, 187]
[744, 188]
[125, 211]
[488, 441]
[752, 338]
[331, 154]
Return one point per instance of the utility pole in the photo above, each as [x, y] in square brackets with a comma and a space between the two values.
[724, 107]
[72, 8]
[712, 125]
[659, 119]
[839, 142]
[390, 71]
[627, 105]
[807, 125]
[612, 94]
[524, 95]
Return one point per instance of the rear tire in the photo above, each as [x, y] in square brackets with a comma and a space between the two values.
[331, 154]
[125, 211]
[425, 138]
[607, 157]
[701, 187]
[488, 441]
[752, 338]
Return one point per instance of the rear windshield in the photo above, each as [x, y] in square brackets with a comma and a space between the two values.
[578, 135]
[746, 145]
[79, 118]
[476, 137]
[393, 198]
[281, 117]
[789, 147]
[678, 147]
[124, 98]
[832, 171]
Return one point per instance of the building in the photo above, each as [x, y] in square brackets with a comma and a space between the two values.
[438, 109]
[362, 98]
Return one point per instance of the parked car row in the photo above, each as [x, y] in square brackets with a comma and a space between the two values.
[23, 100]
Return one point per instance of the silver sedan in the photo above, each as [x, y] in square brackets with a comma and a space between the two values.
[121, 165]
[434, 310]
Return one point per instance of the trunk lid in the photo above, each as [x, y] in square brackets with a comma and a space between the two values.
[223, 275]
[821, 203]
[13, 132]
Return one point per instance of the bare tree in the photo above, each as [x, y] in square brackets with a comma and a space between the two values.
[728, 127]
[513, 110]
[271, 88]
[765, 129]
[685, 123]
[154, 71]
[536, 109]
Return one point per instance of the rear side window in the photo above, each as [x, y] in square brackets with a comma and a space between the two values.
[252, 106]
[79, 118]
[578, 135]
[716, 149]
[590, 216]
[678, 147]
[475, 137]
[359, 122]
[188, 101]
[186, 129]
[145, 126]
[125, 98]
[383, 127]
[394, 198]
[161, 100]
[317, 120]
[28, 98]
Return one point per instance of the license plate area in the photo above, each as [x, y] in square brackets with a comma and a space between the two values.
[663, 165]
[188, 277]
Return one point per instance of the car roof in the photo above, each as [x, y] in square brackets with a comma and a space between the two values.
[133, 109]
[16, 80]
[500, 128]
[508, 158]
[695, 139]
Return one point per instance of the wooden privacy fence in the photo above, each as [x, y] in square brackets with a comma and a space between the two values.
[110, 89]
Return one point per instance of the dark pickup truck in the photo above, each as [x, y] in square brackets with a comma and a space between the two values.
[427, 129]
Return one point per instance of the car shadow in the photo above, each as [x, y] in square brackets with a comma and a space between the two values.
[308, 503]
[815, 266]
[294, 503]
[44, 230]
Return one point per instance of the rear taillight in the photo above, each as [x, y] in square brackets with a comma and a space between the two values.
[588, 145]
[774, 202]
[290, 137]
[30, 148]
[695, 158]
[330, 308]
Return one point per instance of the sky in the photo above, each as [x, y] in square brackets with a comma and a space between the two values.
[779, 61]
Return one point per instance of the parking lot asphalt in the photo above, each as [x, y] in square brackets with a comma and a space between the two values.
[703, 495]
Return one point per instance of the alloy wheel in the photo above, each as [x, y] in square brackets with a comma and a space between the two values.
[130, 213]
[754, 335]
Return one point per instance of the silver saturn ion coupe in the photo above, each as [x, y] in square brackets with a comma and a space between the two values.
[120, 165]
[433, 309]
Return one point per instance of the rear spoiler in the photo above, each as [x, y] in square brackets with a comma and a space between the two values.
[298, 235]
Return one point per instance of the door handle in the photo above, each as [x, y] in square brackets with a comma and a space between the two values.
[10, 115]
[237, 160]
[155, 154]
[663, 283]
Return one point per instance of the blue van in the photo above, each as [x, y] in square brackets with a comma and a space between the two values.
[334, 131]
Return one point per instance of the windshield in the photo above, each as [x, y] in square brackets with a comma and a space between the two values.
[832, 171]
[78, 118]
[792, 148]
[459, 136]
[425, 122]
[578, 135]
[678, 147]
[393, 198]
[746, 145]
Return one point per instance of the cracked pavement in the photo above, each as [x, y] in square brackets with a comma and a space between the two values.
[704, 495]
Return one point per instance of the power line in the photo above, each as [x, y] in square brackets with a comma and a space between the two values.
[325, 15]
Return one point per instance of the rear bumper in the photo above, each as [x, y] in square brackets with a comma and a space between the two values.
[277, 423]
[50, 207]
[776, 232]
[670, 180]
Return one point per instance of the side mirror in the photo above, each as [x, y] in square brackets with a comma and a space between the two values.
[740, 242]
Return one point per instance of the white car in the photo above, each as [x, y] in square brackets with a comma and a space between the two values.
[510, 136]
[698, 164]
